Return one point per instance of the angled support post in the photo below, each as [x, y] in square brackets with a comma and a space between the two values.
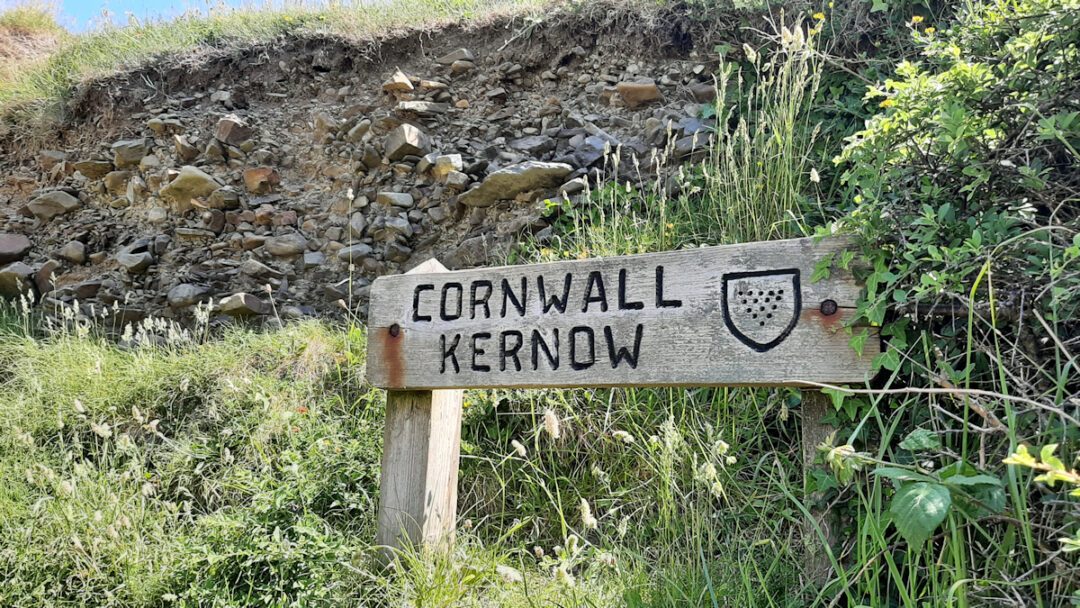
[421, 449]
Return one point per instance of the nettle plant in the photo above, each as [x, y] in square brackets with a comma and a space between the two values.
[964, 188]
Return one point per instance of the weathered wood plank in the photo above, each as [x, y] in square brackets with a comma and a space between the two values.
[817, 566]
[734, 315]
[421, 448]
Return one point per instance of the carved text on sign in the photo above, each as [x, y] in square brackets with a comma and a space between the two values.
[727, 315]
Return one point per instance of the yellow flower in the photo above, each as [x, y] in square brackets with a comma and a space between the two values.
[671, 226]
[930, 30]
[830, 5]
[819, 16]
[887, 103]
[917, 19]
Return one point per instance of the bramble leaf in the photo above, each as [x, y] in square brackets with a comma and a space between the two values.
[918, 509]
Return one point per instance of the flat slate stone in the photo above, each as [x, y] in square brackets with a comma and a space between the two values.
[13, 247]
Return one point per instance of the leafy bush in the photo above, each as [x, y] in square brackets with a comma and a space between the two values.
[964, 186]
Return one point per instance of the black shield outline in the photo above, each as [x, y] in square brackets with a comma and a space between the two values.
[759, 347]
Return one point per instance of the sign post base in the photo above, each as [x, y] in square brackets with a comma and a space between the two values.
[815, 406]
[421, 448]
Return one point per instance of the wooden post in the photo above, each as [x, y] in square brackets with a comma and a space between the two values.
[815, 406]
[421, 449]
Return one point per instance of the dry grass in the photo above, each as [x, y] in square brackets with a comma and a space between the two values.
[28, 35]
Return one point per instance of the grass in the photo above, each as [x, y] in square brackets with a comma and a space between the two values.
[28, 33]
[242, 470]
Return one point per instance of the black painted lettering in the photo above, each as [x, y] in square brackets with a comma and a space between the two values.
[554, 301]
[595, 283]
[551, 354]
[508, 295]
[623, 353]
[443, 313]
[574, 363]
[475, 301]
[477, 352]
[506, 351]
[623, 303]
[660, 301]
[449, 354]
[416, 316]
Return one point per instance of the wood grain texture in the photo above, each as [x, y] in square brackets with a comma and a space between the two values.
[815, 407]
[418, 482]
[733, 315]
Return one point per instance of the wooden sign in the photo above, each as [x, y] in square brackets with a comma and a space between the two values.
[733, 315]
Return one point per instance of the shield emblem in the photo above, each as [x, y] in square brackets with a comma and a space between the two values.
[761, 308]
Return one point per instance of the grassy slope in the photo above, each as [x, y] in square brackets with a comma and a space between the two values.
[115, 47]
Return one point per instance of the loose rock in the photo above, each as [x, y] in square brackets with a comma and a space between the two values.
[406, 140]
[48, 206]
[13, 247]
[511, 181]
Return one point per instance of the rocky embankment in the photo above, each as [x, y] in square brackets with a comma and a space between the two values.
[284, 180]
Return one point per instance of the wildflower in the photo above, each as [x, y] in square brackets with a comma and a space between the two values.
[301, 410]
[721, 447]
[520, 449]
[468, 524]
[111, 531]
[101, 430]
[623, 436]
[66, 488]
[76, 542]
[917, 19]
[572, 544]
[730, 460]
[538, 551]
[136, 414]
[296, 429]
[551, 424]
[59, 420]
[79, 407]
[148, 489]
[930, 30]
[814, 177]
[587, 518]
[563, 576]
[887, 103]
[708, 471]
[751, 56]
[607, 559]
[508, 574]
[819, 16]
[717, 489]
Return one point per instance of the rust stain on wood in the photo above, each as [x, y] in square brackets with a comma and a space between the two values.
[392, 356]
[833, 322]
